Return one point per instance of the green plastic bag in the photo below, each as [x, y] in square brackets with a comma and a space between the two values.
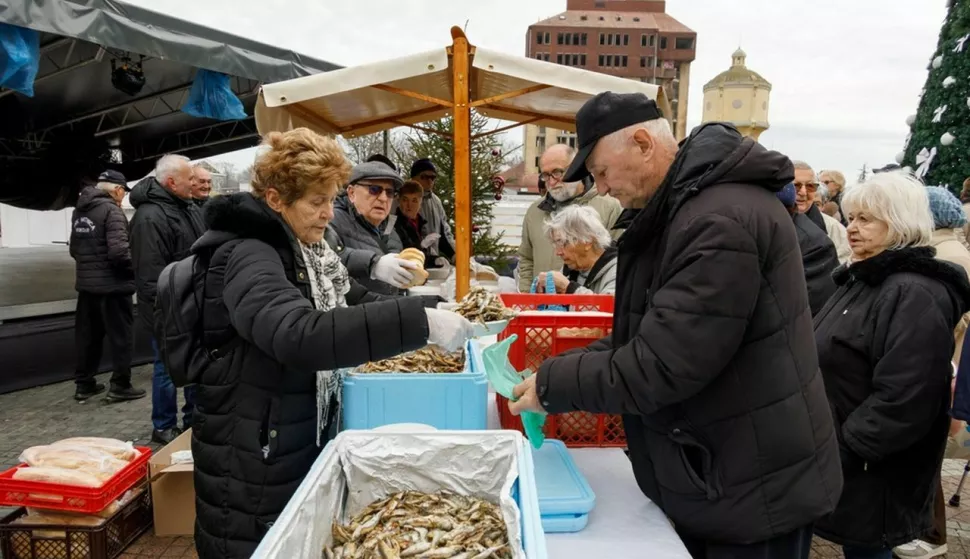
[504, 378]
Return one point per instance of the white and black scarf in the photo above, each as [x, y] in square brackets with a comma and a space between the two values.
[329, 284]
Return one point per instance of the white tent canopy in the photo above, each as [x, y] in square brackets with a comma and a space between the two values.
[418, 88]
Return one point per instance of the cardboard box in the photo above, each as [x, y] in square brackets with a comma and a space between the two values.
[173, 490]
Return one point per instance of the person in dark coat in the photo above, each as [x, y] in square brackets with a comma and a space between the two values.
[818, 253]
[201, 185]
[735, 443]
[105, 283]
[165, 225]
[371, 246]
[266, 408]
[408, 223]
[885, 342]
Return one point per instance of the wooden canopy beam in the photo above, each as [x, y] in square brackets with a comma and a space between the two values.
[396, 119]
[530, 114]
[426, 129]
[413, 95]
[504, 128]
[509, 95]
[463, 161]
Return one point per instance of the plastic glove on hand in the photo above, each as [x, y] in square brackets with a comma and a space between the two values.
[430, 240]
[448, 330]
[394, 270]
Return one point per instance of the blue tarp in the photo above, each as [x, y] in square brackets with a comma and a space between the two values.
[211, 96]
[19, 58]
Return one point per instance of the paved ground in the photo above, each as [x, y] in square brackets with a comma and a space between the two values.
[45, 414]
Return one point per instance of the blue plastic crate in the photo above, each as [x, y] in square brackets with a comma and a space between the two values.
[444, 401]
[565, 497]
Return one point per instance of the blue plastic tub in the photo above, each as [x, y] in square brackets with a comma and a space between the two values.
[456, 401]
[565, 497]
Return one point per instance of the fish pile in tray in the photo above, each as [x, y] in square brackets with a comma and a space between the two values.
[481, 305]
[430, 359]
[418, 525]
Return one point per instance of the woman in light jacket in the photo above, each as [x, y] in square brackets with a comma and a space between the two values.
[585, 246]
[885, 341]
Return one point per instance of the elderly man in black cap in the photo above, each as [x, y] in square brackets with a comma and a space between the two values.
[436, 234]
[105, 283]
[712, 358]
[368, 244]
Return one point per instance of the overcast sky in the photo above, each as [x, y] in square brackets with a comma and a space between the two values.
[846, 74]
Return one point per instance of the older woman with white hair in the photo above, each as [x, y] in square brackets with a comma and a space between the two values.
[582, 242]
[885, 340]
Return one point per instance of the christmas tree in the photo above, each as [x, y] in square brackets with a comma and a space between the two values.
[939, 140]
[435, 144]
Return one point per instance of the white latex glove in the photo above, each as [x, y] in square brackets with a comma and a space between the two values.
[448, 330]
[430, 240]
[393, 270]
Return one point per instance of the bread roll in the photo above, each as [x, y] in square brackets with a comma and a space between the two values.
[120, 449]
[94, 461]
[60, 476]
[416, 256]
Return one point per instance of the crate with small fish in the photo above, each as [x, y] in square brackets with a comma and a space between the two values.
[446, 391]
[428, 494]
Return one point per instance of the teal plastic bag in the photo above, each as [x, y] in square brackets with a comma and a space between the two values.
[504, 378]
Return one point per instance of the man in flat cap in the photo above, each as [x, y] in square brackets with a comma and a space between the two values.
[368, 245]
[712, 358]
[105, 283]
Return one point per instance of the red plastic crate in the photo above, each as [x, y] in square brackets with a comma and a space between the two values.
[543, 334]
[90, 500]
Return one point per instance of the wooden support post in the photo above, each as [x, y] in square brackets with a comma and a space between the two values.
[463, 161]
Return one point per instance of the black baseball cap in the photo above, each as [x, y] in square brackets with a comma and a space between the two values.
[601, 116]
[114, 177]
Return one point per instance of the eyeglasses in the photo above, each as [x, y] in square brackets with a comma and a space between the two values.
[557, 174]
[376, 189]
[809, 186]
[428, 177]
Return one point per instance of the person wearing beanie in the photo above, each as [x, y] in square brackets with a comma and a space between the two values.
[436, 224]
[819, 258]
[948, 222]
[381, 158]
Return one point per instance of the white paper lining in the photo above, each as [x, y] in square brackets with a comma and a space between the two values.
[360, 467]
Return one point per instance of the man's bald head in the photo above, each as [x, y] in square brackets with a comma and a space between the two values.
[552, 165]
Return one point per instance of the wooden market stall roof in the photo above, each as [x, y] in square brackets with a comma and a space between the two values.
[430, 85]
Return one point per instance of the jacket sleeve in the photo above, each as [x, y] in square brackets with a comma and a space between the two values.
[149, 253]
[116, 235]
[961, 399]
[72, 240]
[819, 261]
[357, 261]
[526, 263]
[268, 311]
[709, 290]
[911, 378]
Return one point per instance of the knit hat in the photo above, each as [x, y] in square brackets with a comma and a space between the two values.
[946, 208]
[422, 165]
[787, 195]
[374, 170]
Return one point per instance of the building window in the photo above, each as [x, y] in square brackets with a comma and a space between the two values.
[582, 60]
[643, 61]
[566, 39]
[626, 40]
[616, 41]
[649, 62]
[643, 40]
[624, 61]
[582, 39]
[538, 57]
[545, 57]
[537, 161]
[559, 39]
[600, 4]
[609, 39]
[575, 60]
[600, 63]
[547, 39]
[653, 40]
[684, 44]
[558, 59]
[572, 141]
[663, 42]
[575, 38]
[538, 38]
[602, 39]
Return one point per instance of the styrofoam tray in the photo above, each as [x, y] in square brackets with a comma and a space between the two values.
[565, 497]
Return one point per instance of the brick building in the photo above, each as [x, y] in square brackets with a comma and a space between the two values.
[633, 39]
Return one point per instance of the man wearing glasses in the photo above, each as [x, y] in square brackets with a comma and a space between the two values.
[806, 186]
[536, 252]
[436, 233]
[369, 245]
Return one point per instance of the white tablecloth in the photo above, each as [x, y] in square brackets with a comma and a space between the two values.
[624, 523]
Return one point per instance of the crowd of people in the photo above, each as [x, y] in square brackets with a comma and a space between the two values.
[832, 318]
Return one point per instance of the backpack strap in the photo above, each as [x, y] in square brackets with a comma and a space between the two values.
[204, 259]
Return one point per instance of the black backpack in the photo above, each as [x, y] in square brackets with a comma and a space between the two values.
[178, 330]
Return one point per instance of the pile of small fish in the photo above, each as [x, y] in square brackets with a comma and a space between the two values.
[430, 359]
[418, 525]
[481, 305]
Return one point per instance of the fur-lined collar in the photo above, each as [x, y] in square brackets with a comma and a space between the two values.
[243, 216]
[915, 260]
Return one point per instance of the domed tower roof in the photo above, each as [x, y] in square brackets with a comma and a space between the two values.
[738, 74]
